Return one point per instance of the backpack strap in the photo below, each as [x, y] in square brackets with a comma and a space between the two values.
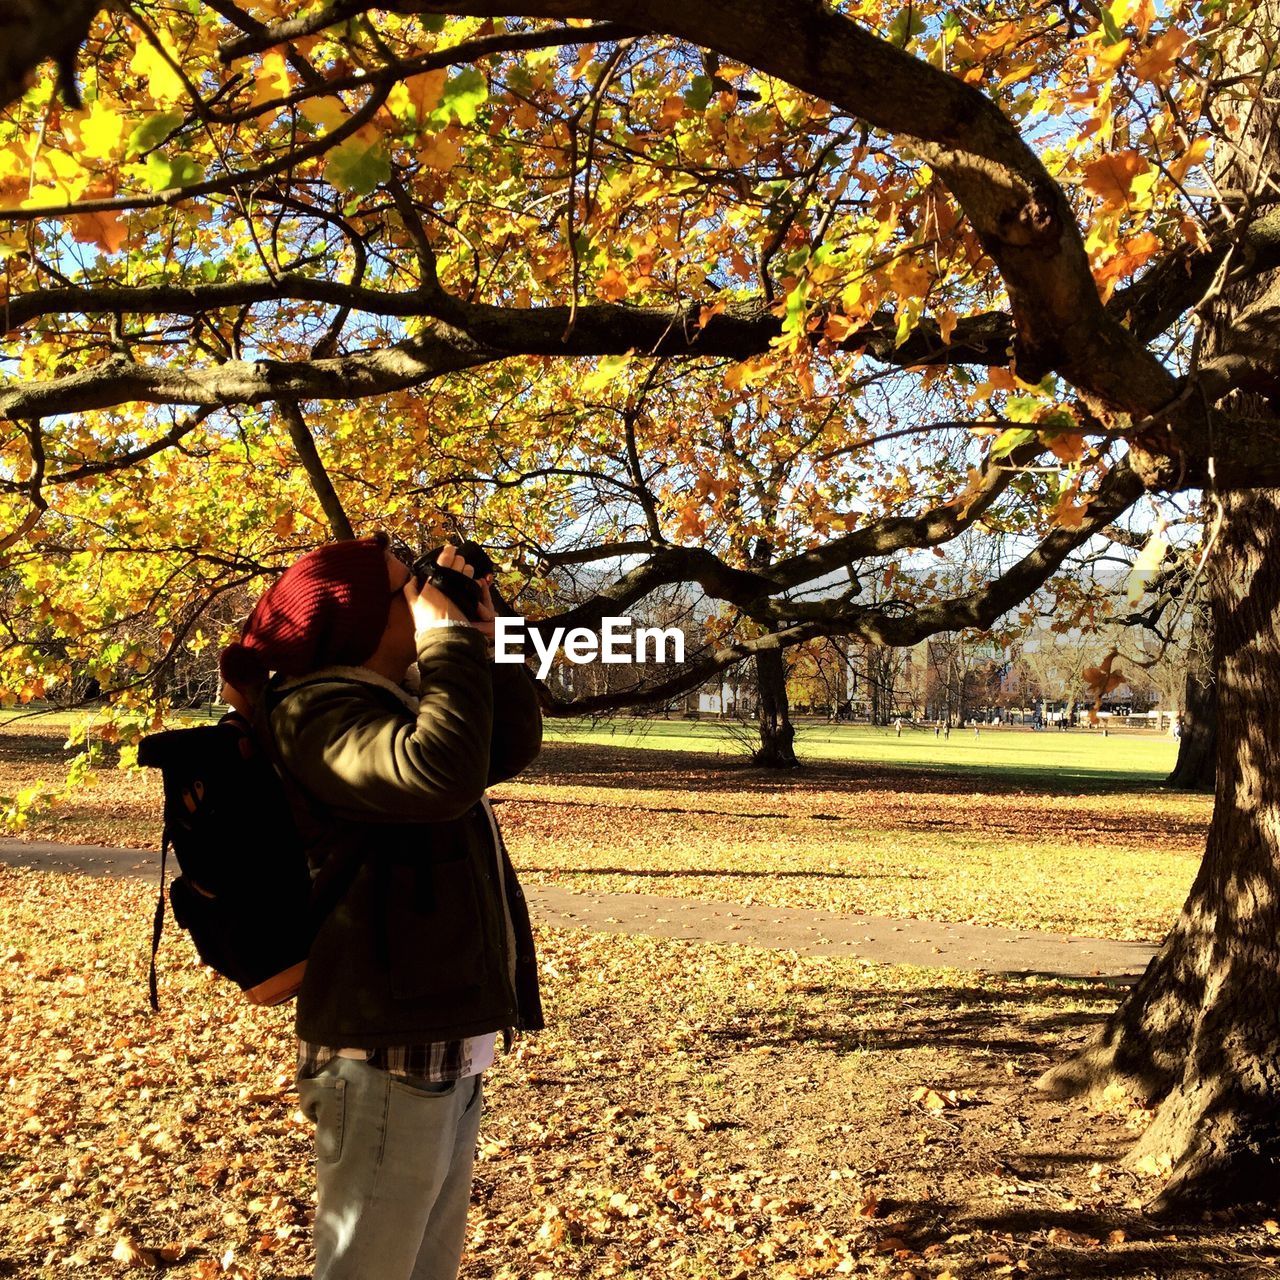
[157, 925]
[338, 875]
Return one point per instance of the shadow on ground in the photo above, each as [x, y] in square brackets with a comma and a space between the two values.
[644, 768]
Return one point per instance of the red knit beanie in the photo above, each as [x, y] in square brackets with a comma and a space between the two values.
[329, 609]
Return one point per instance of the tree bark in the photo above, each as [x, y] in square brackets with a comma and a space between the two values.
[777, 734]
[1201, 1030]
[31, 31]
[1197, 764]
[1200, 1033]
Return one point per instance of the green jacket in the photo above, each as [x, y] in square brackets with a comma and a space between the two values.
[423, 932]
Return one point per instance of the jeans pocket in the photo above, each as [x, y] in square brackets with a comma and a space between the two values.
[421, 1088]
[323, 1101]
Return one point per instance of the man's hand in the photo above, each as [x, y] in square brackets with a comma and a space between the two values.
[431, 606]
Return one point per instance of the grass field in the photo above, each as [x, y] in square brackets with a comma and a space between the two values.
[699, 1111]
[914, 827]
[1077, 755]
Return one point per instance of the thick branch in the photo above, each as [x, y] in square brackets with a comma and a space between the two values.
[1018, 210]
[33, 30]
[895, 625]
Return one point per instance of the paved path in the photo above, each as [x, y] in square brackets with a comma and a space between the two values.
[810, 932]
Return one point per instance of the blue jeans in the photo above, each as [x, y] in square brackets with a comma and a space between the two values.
[393, 1171]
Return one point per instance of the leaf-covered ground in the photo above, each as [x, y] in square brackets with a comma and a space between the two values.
[850, 837]
[693, 1110]
[1034, 850]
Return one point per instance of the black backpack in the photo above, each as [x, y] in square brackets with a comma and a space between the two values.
[244, 892]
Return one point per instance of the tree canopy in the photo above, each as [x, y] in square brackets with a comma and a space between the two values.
[752, 294]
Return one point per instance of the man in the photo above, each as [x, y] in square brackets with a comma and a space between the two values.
[424, 950]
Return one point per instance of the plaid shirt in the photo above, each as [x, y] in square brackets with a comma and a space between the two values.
[438, 1063]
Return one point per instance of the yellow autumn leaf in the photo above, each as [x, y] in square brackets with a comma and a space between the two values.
[101, 131]
[329, 113]
[66, 176]
[1191, 157]
[128, 1252]
[163, 82]
[909, 278]
[696, 1122]
[737, 150]
[272, 80]
[15, 161]
[1108, 58]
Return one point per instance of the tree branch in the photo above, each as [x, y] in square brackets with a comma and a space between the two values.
[33, 30]
[1019, 212]
[304, 445]
[895, 625]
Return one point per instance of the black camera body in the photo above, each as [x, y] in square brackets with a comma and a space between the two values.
[461, 590]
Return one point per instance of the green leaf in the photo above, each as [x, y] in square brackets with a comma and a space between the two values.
[166, 172]
[905, 27]
[699, 93]
[1007, 441]
[357, 166]
[796, 309]
[463, 96]
[1113, 35]
[1058, 420]
[153, 131]
[1022, 408]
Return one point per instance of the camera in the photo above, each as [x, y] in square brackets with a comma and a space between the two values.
[461, 590]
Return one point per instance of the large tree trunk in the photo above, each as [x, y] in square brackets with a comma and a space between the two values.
[777, 734]
[1201, 1030]
[1197, 764]
[1200, 1033]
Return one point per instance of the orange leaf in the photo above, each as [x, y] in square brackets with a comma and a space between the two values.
[1157, 60]
[441, 150]
[838, 328]
[672, 110]
[425, 92]
[707, 313]
[1067, 446]
[1129, 256]
[1111, 176]
[1069, 512]
[105, 229]
[613, 285]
